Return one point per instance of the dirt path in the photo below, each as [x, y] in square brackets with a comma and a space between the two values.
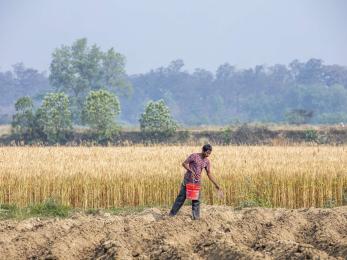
[222, 233]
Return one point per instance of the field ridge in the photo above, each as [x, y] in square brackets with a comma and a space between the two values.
[222, 233]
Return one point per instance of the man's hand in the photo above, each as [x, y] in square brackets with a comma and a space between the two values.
[220, 193]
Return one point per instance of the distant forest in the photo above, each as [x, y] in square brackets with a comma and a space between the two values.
[229, 95]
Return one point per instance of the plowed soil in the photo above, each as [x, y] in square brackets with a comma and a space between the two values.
[222, 233]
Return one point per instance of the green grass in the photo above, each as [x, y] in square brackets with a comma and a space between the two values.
[50, 208]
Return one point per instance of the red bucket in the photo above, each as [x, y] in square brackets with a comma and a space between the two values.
[192, 191]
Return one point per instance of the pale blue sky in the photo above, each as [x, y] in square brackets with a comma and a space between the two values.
[151, 33]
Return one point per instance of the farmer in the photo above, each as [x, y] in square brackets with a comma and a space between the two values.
[194, 165]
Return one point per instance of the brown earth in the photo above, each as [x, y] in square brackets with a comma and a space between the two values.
[222, 233]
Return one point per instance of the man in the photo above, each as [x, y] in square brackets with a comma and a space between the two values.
[194, 165]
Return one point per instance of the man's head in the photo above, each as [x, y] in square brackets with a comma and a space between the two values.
[206, 150]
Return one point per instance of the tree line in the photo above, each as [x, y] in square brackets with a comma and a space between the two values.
[52, 122]
[300, 92]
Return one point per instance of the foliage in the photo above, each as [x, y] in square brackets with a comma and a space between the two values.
[261, 94]
[247, 204]
[257, 94]
[100, 110]
[329, 203]
[332, 118]
[21, 81]
[254, 201]
[227, 135]
[299, 116]
[23, 120]
[311, 135]
[8, 211]
[49, 208]
[54, 118]
[78, 69]
[156, 122]
[246, 134]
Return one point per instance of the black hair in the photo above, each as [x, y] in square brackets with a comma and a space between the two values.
[207, 147]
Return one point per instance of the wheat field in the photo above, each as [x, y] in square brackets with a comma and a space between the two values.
[106, 177]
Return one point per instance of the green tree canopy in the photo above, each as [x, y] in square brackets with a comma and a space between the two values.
[299, 116]
[100, 110]
[78, 68]
[23, 119]
[54, 117]
[157, 120]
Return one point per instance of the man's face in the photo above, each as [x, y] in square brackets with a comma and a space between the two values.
[207, 153]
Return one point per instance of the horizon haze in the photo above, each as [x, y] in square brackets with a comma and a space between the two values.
[150, 34]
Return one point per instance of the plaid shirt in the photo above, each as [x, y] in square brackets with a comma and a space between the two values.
[197, 164]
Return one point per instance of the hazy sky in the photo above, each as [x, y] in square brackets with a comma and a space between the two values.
[151, 33]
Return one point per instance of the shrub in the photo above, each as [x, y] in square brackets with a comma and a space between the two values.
[23, 120]
[227, 135]
[298, 116]
[247, 204]
[329, 203]
[8, 211]
[311, 135]
[156, 122]
[100, 110]
[246, 134]
[54, 118]
[49, 208]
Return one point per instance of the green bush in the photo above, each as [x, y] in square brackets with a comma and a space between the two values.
[227, 135]
[156, 122]
[329, 203]
[247, 204]
[298, 116]
[246, 134]
[49, 208]
[54, 118]
[311, 135]
[100, 110]
[23, 120]
[8, 211]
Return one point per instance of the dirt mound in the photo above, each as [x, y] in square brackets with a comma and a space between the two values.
[222, 233]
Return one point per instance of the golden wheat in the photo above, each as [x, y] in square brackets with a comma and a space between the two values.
[104, 177]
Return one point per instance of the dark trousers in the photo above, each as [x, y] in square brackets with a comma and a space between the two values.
[180, 201]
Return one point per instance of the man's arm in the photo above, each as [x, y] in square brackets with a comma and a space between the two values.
[212, 179]
[185, 165]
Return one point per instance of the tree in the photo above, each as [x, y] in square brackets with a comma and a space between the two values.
[156, 122]
[100, 110]
[299, 116]
[23, 119]
[21, 81]
[54, 117]
[78, 69]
